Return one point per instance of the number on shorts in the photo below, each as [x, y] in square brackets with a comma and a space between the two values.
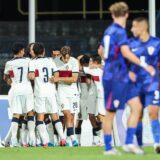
[156, 95]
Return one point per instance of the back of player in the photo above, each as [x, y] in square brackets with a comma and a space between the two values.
[20, 94]
[44, 91]
[44, 68]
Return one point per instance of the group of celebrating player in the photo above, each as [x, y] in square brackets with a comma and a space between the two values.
[49, 92]
[46, 88]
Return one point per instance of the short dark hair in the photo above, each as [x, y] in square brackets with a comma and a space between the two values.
[17, 47]
[56, 49]
[96, 58]
[38, 48]
[28, 48]
[141, 19]
[84, 60]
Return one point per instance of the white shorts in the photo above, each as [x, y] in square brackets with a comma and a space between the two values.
[46, 105]
[21, 104]
[91, 99]
[69, 103]
[91, 104]
[83, 115]
[100, 106]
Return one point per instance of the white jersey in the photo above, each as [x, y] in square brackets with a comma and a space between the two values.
[44, 68]
[17, 70]
[66, 70]
[96, 74]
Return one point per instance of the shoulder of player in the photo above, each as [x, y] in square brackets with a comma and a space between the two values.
[155, 39]
[12, 60]
[73, 60]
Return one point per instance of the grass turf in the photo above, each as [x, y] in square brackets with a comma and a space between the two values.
[71, 153]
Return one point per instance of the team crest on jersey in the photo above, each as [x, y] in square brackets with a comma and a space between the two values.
[116, 103]
[67, 67]
[151, 50]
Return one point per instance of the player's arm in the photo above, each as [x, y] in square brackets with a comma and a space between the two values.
[7, 79]
[132, 76]
[68, 80]
[87, 70]
[31, 74]
[6, 76]
[126, 52]
[101, 52]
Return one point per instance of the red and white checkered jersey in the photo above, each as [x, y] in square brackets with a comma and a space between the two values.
[17, 70]
[44, 68]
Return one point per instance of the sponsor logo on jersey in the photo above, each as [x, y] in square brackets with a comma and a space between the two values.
[134, 49]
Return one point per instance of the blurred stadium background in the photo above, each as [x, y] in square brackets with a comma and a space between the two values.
[78, 23]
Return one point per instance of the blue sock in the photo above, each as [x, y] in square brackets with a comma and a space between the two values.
[139, 134]
[156, 130]
[129, 136]
[107, 141]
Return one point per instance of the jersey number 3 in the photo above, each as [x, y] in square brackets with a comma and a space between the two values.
[45, 71]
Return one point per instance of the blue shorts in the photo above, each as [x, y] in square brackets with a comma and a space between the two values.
[115, 94]
[133, 91]
[150, 98]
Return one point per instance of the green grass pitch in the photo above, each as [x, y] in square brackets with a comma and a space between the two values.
[71, 153]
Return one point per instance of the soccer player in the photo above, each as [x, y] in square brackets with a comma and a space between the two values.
[67, 76]
[41, 69]
[21, 93]
[82, 82]
[56, 52]
[114, 50]
[147, 48]
[87, 105]
[29, 50]
[96, 72]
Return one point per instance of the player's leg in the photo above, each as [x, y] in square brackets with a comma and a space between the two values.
[16, 109]
[139, 132]
[23, 131]
[155, 125]
[78, 130]
[50, 130]
[82, 115]
[58, 126]
[100, 117]
[96, 129]
[136, 110]
[107, 130]
[53, 110]
[108, 120]
[40, 104]
[69, 127]
[31, 128]
[73, 138]
[14, 130]
[152, 101]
